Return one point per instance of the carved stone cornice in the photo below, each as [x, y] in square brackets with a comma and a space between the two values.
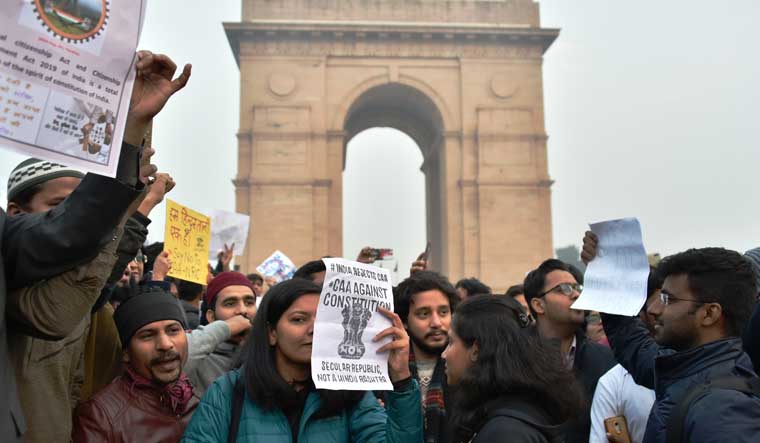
[242, 182]
[386, 39]
[505, 184]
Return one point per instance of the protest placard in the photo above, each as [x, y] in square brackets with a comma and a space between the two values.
[343, 354]
[615, 281]
[66, 78]
[278, 266]
[187, 239]
[228, 228]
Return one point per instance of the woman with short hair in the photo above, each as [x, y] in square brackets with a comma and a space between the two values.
[510, 386]
[272, 398]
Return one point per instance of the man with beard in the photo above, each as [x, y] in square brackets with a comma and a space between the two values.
[153, 400]
[425, 302]
[229, 297]
[695, 362]
[550, 291]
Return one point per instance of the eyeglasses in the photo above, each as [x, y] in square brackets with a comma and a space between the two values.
[139, 258]
[665, 299]
[566, 289]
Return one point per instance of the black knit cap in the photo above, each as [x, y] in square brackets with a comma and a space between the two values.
[145, 308]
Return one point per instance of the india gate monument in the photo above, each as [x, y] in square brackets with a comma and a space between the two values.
[462, 78]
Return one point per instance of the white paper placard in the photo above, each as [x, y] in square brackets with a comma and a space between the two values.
[344, 357]
[228, 228]
[616, 280]
[66, 77]
[277, 266]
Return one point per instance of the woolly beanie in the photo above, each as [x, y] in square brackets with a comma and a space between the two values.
[221, 281]
[145, 308]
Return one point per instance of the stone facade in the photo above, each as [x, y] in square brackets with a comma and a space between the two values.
[462, 78]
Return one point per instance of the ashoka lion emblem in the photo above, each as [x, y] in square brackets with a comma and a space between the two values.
[355, 318]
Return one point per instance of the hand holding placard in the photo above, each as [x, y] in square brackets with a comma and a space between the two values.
[616, 278]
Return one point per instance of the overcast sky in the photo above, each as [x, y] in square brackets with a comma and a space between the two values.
[651, 111]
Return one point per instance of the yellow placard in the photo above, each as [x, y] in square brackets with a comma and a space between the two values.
[187, 238]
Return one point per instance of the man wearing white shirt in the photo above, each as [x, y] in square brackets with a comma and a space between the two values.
[617, 394]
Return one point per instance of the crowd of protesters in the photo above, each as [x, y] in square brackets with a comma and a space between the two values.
[98, 344]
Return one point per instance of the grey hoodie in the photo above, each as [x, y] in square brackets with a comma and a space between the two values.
[203, 368]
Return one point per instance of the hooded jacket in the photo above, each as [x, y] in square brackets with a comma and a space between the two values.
[720, 416]
[522, 420]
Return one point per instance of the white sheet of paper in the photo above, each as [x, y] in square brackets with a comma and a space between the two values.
[278, 266]
[616, 280]
[66, 78]
[343, 355]
[228, 228]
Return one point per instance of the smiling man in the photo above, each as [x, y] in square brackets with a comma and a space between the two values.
[153, 400]
[706, 300]
[425, 302]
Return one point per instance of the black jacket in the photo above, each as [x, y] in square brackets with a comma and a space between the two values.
[517, 420]
[720, 416]
[592, 360]
[752, 338]
[34, 247]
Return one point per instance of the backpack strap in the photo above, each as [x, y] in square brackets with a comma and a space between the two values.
[675, 424]
[238, 396]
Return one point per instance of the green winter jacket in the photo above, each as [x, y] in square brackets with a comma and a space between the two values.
[368, 422]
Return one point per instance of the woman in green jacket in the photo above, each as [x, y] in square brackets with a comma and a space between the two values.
[276, 398]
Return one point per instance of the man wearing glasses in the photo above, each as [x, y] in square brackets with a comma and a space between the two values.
[550, 290]
[707, 297]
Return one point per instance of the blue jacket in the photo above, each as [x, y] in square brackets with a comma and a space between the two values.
[720, 416]
[365, 423]
[752, 338]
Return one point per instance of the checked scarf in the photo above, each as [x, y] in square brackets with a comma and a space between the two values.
[433, 405]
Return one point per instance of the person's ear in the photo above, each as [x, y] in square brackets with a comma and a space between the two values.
[14, 209]
[272, 337]
[210, 317]
[537, 303]
[125, 357]
[474, 352]
[713, 313]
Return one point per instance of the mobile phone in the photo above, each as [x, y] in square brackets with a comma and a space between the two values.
[425, 255]
[618, 427]
[381, 253]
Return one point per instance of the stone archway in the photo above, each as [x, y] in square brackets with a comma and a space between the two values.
[467, 89]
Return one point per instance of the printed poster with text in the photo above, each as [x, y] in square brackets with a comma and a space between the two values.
[187, 238]
[344, 357]
[66, 78]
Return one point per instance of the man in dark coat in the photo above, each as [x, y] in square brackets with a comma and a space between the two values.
[706, 299]
[35, 247]
[550, 290]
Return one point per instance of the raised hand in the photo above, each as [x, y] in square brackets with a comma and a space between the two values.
[590, 244]
[162, 266]
[366, 255]
[398, 359]
[154, 85]
[419, 265]
[162, 184]
[225, 256]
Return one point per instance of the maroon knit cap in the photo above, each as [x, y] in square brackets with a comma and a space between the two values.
[221, 281]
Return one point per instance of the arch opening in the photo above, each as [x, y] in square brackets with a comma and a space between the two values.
[373, 116]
